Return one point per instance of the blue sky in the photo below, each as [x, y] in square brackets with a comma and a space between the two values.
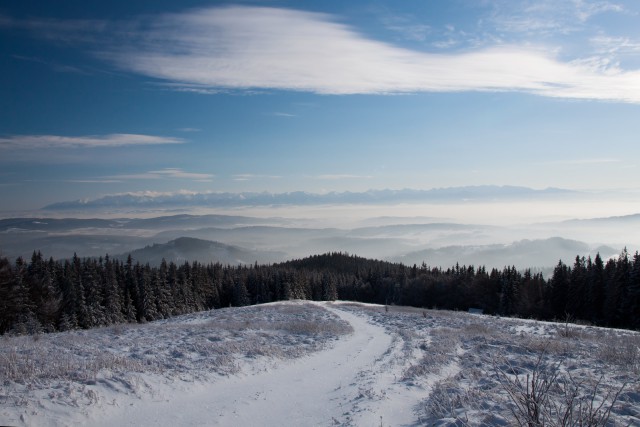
[101, 98]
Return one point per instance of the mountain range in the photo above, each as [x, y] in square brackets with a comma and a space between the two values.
[301, 198]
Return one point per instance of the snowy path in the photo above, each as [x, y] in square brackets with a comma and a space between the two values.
[347, 384]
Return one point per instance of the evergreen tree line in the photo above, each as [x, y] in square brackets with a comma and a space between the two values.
[47, 295]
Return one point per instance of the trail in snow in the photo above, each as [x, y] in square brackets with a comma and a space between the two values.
[347, 384]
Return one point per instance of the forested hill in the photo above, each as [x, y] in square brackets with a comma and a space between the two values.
[341, 263]
[46, 295]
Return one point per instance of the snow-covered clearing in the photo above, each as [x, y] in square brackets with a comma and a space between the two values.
[302, 363]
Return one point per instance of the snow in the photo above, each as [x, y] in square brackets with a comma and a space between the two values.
[306, 364]
[311, 391]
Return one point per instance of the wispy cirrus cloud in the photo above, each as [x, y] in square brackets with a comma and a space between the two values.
[605, 44]
[586, 9]
[93, 181]
[61, 31]
[78, 181]
[280, 114]
[251, 177]
[256, 48]
[253, 47]
[543, 17]
[406, 26]
[339, 177]
[60, 68]
[584, 161]
[32, 142]
[167, 173]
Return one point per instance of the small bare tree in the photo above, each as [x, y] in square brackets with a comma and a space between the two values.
[531, 396]
[548, 397]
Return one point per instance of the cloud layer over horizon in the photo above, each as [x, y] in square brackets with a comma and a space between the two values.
[186, 198]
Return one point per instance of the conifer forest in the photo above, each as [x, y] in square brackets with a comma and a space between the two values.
[46, 295]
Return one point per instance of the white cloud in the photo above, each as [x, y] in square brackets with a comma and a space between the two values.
[31, 142]
[91, 181]
[180, 174]
[407, 27]
[250, 47]
[545, 17]
[338, 177]
[615, 45]
[585, 161]
[168, 173]
[152, 194]
[250, 177]
[281, 114]
[61, 68]
[586, 9]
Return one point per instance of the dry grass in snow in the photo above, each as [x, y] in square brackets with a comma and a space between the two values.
[44, 374]
[480, 370]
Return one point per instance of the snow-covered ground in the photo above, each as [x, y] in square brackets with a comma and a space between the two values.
[317, 364]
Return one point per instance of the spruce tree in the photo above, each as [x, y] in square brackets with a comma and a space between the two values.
[634, 293]
[558, 291]
[596, 290]
[577, 290]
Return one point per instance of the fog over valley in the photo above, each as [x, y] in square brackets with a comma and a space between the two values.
[490, 226]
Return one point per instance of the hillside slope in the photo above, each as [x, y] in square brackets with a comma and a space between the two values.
[189, 249]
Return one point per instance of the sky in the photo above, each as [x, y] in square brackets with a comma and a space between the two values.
[162, 97]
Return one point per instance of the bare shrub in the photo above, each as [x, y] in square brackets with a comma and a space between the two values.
[445, 400]
[547, 396]
[448, 399]
[550, 346]
[568, 329]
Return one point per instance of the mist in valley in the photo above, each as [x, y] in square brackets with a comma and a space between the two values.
[494, 232]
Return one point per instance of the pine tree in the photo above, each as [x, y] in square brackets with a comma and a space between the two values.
[69, 315]
[145, 302]
[596, 290]
[113, 300]
[509, 293]
[577, 290]
[12, 299]
[240, 294]
[558, 290]
[162, 289]
[617, 272]
[92, 288]
[129, 292]
[634, 293]
[329, 291]
[43, 292]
